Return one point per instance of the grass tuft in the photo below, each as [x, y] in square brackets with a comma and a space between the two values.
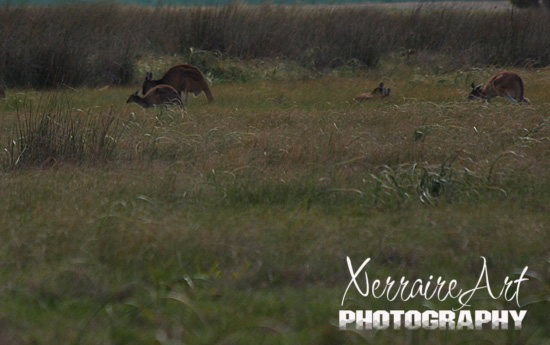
[51, 132]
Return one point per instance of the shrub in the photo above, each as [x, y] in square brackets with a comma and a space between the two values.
[99, 43]
[52, 132]
[525, 3]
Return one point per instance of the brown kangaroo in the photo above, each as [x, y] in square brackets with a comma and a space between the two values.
[158, 95]
[379, 91]
[504, 84]
[184, 78]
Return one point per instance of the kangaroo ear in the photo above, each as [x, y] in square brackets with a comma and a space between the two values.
[479, 87]
[381, 85]
[388, 91]
[136, 93]
[473, 86]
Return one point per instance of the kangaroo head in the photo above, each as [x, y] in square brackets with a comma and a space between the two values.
[378, 90]
[134, 97]
[476, 92]
[386, 92]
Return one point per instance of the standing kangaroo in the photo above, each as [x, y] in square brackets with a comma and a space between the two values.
[157, 95]
[184, 78]
[504, 84]
[379, 91]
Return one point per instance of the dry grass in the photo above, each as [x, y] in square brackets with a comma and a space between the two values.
[100, 43]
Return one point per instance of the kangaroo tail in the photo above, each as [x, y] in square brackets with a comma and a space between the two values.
[207, 92]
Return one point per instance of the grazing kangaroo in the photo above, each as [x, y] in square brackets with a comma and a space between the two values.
[184, 78]
[504, 84]
[157, 95]
[379, 91]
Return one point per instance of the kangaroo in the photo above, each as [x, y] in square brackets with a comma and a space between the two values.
[157, 95]
[380, 91]
[504, 84]
[184, 78]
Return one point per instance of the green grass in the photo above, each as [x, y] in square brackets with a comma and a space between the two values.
[230, 223]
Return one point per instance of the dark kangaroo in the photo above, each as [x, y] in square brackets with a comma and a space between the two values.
[184, 78]
[158, 95]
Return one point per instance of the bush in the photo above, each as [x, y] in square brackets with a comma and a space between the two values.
[100, 43]
[51, 133]
[525, 3]
[65, 44]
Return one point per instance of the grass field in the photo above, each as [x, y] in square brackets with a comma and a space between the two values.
[230, 222]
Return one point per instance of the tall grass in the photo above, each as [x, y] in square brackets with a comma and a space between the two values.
[100, 43]
[72, 44]
[52, 132]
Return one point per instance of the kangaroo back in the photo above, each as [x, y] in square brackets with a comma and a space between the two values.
[184, 78]
[188, 80]
[503, 84]
[180, 77]
[185, 66]
[169, 78]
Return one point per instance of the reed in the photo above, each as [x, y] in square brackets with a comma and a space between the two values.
[100, 43]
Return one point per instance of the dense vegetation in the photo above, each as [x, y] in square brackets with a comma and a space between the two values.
[102, 43]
